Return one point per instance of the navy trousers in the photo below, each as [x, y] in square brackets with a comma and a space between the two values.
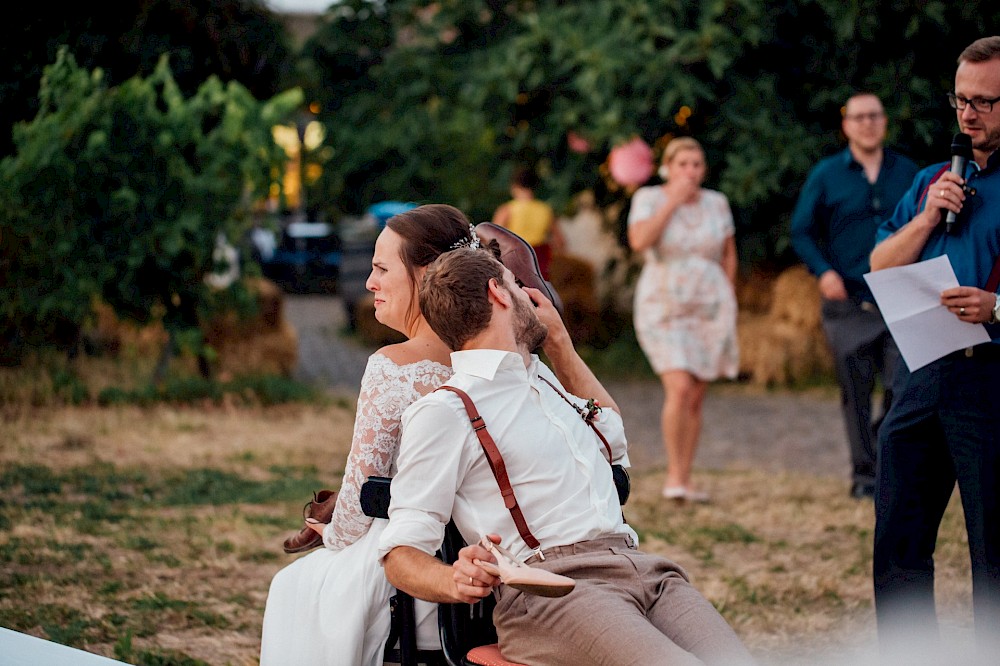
[943, 427]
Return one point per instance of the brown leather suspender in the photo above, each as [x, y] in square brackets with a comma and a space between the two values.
[497, 465]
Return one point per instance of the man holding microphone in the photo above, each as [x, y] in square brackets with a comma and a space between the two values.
[944, 425]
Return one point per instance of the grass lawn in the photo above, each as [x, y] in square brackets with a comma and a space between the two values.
[150, 534]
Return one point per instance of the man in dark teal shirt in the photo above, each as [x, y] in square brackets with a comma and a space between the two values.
[841, 205]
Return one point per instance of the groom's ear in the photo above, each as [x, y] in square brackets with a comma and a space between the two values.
[498, 293]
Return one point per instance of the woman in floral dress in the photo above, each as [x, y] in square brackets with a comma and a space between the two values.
[685, 306]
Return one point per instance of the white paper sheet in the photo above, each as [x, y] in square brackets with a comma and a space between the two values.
[910, 300]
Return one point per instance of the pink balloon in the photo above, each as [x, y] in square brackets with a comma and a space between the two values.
[577, 143]
[631, 163]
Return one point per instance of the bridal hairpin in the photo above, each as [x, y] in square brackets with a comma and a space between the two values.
[471, 242]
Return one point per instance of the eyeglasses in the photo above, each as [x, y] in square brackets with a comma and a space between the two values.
[978, 104]
[872, 117]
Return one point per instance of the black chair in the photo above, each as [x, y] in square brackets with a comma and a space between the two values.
[462, 627]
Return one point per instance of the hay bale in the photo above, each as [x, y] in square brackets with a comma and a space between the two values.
[754, 290]
[751, 331]
[268, 317]
[795, 298]
[263, 343]
[270, 303]
[275, 351]
[110, 334]
[573, 278]
[786, 344]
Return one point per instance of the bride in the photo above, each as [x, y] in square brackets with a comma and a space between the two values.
[332, 606]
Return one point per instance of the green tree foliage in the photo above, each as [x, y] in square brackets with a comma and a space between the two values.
[439, 100]
[120, 192]
[235, 40]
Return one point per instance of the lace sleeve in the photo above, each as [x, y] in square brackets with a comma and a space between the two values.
[386, 391]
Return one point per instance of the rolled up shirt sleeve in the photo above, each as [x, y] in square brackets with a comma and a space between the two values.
[610, 423]
[433, 458]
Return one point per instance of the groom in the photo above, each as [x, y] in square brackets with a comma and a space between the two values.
[627, 607]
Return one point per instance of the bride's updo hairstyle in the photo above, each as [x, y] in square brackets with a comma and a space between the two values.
[428, 232]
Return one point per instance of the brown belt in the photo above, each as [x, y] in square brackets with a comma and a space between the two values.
[588, 546]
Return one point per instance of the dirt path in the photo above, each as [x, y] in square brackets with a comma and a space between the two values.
[745, 427]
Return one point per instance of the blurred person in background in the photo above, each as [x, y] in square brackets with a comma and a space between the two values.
[530, 218]
[944, 424]
[685, 303]
[841, 205]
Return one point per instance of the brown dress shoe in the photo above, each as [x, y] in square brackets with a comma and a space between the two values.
[319, 508]
[519, 258]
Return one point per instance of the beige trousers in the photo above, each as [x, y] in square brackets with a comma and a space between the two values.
[627, 608]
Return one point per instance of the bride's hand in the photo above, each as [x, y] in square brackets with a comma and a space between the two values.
[315, 525]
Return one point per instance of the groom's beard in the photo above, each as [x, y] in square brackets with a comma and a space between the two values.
[529, 332]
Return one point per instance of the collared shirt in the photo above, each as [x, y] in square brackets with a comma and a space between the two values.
[839, 212]
[557, 466]
[974, 242]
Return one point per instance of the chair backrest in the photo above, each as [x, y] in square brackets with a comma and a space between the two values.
[463, 626]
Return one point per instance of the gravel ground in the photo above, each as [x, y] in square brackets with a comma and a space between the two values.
[745, 426]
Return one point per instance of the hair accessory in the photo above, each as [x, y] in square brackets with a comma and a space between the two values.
[471, 242]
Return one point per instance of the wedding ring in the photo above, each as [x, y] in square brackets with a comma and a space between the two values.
[941, 193]
[470, 580]
[961, 312]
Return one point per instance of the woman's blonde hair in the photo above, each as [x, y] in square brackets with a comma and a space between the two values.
[677, 145]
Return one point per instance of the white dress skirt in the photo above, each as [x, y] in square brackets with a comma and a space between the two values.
[331, 606]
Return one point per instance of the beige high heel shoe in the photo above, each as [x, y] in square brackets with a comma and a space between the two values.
[523, 577]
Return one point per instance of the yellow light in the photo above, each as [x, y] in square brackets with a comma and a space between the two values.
[314, 135]
[313, 172]
[286, 137]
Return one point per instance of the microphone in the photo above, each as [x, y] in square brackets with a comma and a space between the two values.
[961, 153]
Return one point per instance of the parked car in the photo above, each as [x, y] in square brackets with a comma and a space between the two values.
[305, 259]
[358, 236]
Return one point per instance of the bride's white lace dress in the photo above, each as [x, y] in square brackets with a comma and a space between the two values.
[331, 606]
